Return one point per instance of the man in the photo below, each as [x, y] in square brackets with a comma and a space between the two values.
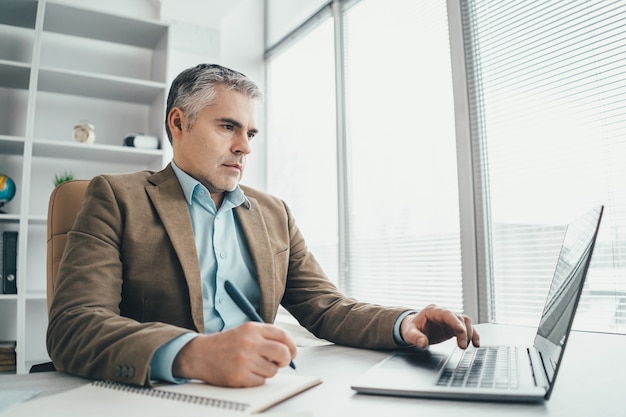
[140, 289]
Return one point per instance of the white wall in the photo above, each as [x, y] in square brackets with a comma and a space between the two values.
[242, 49]
[229, 33]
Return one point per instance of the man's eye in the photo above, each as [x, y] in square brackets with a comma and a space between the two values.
[228, 127]
[251, 136]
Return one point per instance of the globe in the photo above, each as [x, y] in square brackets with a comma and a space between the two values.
[7, 190]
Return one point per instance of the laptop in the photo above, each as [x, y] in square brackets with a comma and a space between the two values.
[498, 373]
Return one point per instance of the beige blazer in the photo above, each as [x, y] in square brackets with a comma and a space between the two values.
[129, 280]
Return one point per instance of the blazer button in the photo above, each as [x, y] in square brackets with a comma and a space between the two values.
[124, 371]
[118, 370]
[131, 371]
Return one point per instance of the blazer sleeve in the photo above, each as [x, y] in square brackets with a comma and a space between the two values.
[325, 311]
[87, 335]
[303, 288]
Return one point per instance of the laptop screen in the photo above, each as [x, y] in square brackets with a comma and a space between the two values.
[567, 284]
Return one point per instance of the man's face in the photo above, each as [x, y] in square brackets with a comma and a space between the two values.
[214, 150]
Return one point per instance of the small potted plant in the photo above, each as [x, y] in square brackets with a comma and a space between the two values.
[61, 178]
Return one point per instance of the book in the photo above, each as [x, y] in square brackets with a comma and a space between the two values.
[9, 262]
[5, 356]
[8, 368]
[7, 346]
[8, 361]
[194, 398]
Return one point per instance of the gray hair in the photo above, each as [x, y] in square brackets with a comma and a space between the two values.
[194, 88]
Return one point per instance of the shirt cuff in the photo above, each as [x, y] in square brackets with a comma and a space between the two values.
[397, 337]
[163, 358]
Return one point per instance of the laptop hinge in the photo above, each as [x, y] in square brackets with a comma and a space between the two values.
[540, 375]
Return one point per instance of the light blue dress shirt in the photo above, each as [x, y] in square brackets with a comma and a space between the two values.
[223, 254]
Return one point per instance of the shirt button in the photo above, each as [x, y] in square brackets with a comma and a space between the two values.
[220, 299]
[222, 255]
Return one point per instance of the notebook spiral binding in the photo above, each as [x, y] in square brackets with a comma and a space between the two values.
[175, 396]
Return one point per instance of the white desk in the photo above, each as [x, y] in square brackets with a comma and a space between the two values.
[579, 390]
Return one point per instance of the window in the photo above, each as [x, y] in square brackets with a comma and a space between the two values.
[302, 157]
[381, 191]
[400, 234]
[403, 209]
[547, 86]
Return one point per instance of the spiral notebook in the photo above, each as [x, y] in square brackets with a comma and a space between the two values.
[105, 398]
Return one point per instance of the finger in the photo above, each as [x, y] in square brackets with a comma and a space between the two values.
[276, 353]
[462, 333]
[278, 345]
[415, 337]
[264, 367]
[454, 322]
[470, 336]
[469, 329]
[475, 336]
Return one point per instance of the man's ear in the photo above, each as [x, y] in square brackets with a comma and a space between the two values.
[175, 121]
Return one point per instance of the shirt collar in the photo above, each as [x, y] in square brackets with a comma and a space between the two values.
[189, 184]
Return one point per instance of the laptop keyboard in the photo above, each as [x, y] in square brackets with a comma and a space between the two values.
[483, 367]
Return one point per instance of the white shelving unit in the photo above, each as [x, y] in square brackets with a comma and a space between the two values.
[60, 64]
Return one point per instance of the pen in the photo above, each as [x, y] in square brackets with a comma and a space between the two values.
[245, 306]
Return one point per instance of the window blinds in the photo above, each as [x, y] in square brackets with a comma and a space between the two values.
[547, 93]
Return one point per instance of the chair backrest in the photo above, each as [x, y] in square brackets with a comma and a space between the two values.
[65, 202]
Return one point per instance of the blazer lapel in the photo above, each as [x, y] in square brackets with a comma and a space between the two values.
[256, 233]
[169, 202]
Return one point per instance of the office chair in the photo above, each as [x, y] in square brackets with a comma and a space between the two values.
[65, 202]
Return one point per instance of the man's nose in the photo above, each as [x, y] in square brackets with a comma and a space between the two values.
[242, 144]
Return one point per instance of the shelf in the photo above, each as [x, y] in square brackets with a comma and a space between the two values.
[37, 219]
[18, 13]
[36, 295]
[106, 27]
[14, 75]
[95, 152]
[9, 218]
[8, 296]
[99, 86]
[11, 145]
[17, 44]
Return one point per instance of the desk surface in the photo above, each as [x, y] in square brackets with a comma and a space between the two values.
[579, 391]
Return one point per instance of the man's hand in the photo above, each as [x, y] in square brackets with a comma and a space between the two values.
[242, 357]
[435, 324]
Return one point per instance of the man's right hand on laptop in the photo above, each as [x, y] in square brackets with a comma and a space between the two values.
[435, 324]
